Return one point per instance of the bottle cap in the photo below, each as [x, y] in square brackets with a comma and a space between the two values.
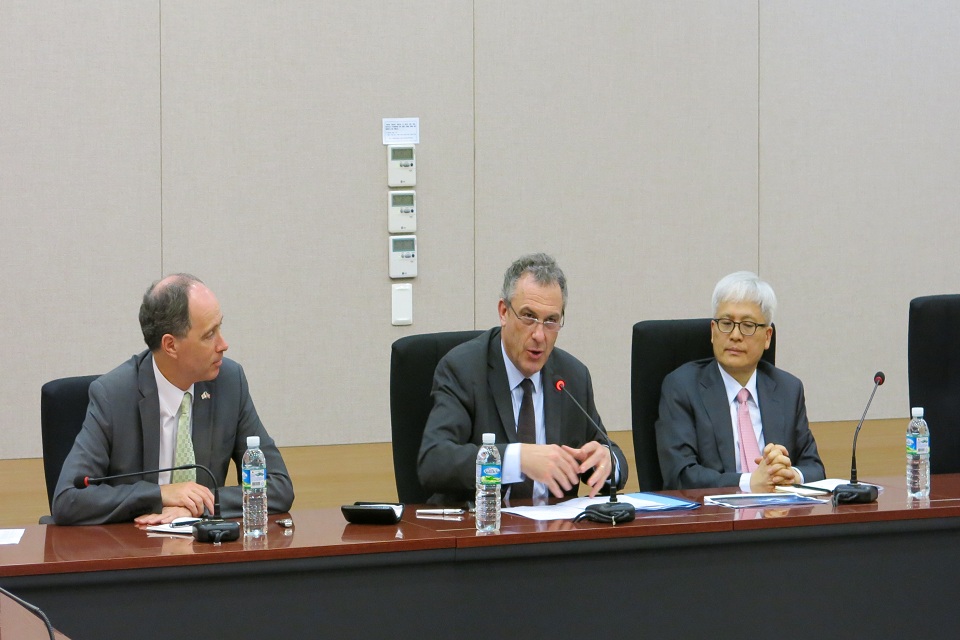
[489, 438]
[253, 442]
[916, 412]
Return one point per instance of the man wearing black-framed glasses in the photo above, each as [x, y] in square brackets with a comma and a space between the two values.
[503, 382]
[735, 420]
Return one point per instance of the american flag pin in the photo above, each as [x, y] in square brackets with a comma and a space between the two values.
[205, 395]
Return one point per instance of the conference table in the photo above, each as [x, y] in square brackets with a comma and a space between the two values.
[883, 570]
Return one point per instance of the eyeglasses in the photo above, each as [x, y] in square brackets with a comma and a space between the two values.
[530, 320]
[747, 327]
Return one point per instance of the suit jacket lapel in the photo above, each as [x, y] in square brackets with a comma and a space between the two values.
[552, 407]
[149, 416]
[771, 414]
[202, 427]
[499, 387]
[714, 396]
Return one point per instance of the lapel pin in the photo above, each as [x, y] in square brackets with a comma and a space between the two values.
[205, 395]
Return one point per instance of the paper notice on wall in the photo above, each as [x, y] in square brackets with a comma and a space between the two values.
[401, 131]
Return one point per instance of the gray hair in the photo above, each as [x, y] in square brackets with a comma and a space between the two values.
[166, 308]
[543, 268]
[746, 286]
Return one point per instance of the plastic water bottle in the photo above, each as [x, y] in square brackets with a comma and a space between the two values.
[488, 486]
[918, 455]
[254, 472]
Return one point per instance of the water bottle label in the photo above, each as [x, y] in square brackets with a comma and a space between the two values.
[918, 445]
[254, 479]
[488, 474]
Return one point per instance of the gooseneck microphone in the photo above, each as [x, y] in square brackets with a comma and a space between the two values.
[610, 511]
[210, 528]
[32, 608]
[856, 493]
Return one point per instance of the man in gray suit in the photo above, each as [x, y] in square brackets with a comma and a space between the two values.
[733, 420]
[488, 384]
[140, 418]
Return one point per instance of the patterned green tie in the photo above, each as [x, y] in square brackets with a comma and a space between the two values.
[184, 454]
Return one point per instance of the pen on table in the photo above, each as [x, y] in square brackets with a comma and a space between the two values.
[439, 512]
[185, 523]
[809, 488]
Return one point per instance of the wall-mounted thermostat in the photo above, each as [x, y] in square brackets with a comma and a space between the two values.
[403, 256]
[401, 165]
[402, 211]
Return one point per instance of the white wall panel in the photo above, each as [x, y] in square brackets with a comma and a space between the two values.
[651, 146]
[274, 190]
[621, 138]
[859, 185]
[79, 194]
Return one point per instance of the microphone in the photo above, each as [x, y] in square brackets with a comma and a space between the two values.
[613, 510]
[856, 493]
[32, 608]
[210, 528]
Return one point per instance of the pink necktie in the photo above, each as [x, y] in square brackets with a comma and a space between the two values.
[749, 451]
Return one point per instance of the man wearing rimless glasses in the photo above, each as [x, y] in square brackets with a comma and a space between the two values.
[735, 420]
[504, 382]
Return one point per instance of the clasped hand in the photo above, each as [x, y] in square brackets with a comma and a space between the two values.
[774, 469]
[560, 467]
[182, 499]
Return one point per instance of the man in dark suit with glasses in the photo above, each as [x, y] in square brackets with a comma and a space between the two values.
[734, 420]
[504, 382]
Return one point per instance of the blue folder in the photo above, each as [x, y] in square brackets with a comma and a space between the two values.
[665, 503]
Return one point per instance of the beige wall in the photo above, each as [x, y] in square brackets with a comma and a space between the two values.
[651, 146]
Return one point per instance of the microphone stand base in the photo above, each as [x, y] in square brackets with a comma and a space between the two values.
[855, 493]
[608, 513]
[216, 530]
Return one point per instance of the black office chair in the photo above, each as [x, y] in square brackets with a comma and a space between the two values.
[63, 406]
[933, 371]
[412, 363]
[659, 347]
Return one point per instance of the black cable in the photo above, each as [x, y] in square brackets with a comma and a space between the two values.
[842, 497]
[35, 610]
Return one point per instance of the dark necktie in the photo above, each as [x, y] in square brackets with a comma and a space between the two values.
[527, 434]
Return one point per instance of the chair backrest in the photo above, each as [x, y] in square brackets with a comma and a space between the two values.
[659, 347]
[63, 406]
[933, 372]
[412, 363]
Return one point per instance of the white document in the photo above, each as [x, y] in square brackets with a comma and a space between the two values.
[827, 485]
[761, 500]
[182, 526]
[11, 536]
[572, 508]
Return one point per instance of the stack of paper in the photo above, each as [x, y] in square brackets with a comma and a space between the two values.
[819, 488]
[181, 526]
[572, 508]
[760, 500]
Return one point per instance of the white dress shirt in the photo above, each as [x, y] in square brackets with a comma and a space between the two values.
[171, 397]
[753, 405]
[511, 456]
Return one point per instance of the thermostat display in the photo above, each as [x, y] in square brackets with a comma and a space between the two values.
[403, 256]
[402, 211]
[401, 166]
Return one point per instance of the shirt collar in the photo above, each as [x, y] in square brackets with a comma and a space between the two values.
[733, 387]
[170, 395]
[514, 377]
